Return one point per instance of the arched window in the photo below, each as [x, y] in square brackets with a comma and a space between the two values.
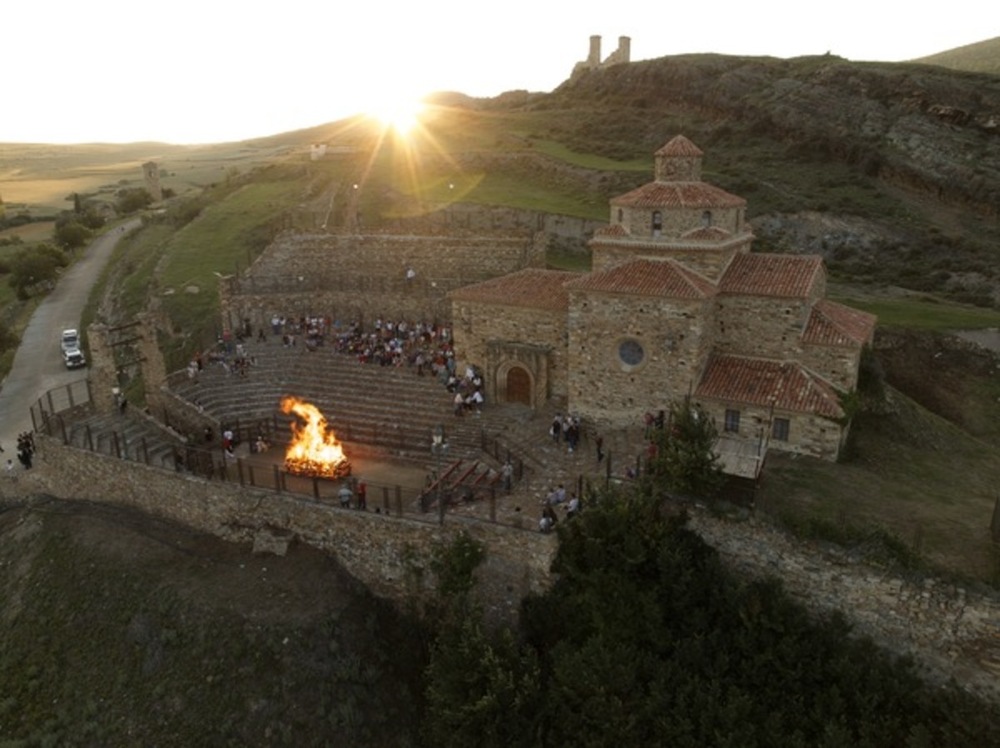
[621, 215]
[657, 223]
[706, 218]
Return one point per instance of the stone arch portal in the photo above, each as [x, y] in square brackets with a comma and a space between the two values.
[517, 373]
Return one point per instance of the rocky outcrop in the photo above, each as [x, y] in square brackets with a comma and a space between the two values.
[928, 129]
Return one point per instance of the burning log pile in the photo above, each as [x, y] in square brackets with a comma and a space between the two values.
[314, 450]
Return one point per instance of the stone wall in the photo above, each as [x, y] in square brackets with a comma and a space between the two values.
[675, 339]
[950, 629]
[673, 224]
[480, 330]
[760, 326]
[838, 364]
[388, 554]
[808, 434]
[362, 277]
[620, 56]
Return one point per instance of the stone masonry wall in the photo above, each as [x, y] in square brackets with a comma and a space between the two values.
[476, 325]
[471, 258]
[364, 276]
[807, 434]
[389, 555]
[760, 326]
[674, 337]
[950, 630]
[677, 222]
[839, 365]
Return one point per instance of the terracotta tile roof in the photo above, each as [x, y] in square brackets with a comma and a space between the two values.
[749, 381]
[831, 323]
[707, 233]
[533, 288]
[613, 230]
[647, 278]
[785, 276]
[679, 146]
[678, 195]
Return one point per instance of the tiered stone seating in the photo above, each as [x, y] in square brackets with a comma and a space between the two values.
[383, 406]
[393, 410]
[134, 437]
[396, 411]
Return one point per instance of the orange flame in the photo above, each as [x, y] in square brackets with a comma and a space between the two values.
[314, 449]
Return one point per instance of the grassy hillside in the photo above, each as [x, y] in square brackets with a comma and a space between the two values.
[981, 57]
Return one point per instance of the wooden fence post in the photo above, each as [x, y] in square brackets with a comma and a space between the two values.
[995, 524]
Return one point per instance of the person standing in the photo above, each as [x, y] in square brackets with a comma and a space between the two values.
[555, 430]
[362, 496]
[508, 476]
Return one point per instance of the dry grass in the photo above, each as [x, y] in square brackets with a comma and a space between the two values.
[33, 232]
[43, 178]
[913, 474]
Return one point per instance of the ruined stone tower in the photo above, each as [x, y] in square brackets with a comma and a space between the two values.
[151, 175]
[594, 58]
[593, 61]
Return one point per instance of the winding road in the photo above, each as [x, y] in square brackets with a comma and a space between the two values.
[38, 365]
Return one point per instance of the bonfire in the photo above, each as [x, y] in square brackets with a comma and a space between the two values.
[314, 450]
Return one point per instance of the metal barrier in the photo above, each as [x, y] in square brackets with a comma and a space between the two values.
[69, 399]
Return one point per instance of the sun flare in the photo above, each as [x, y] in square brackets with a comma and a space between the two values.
[401, 115]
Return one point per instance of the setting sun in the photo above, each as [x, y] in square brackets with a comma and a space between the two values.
[402, 115]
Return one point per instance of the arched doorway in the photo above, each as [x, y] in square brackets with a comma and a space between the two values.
[518, 386]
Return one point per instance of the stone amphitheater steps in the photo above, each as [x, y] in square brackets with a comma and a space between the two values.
[134, 437]
[391, 410]
[394, 409]
[385, 406]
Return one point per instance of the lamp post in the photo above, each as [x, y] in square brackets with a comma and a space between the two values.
[439, 446]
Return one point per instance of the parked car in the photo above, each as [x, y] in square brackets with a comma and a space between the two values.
[70, 339]
[73, 357]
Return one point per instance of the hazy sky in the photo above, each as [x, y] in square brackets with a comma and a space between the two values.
[218, 70]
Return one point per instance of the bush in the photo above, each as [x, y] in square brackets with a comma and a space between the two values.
[132, 200]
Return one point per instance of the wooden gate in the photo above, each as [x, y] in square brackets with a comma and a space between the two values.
[518, 386]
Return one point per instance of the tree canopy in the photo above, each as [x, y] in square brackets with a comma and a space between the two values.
[133, 199]
[33, 267]
[646, 638]
[685, 462]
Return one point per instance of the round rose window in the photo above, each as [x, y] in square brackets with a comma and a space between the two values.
[630, 352]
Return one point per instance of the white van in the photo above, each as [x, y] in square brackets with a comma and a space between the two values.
[73, 358]
[70, 339]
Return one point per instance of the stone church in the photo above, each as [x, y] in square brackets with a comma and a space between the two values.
[675, 305]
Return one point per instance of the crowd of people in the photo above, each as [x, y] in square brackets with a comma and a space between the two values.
[25, 451]
[566, 428]
[423, 346]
